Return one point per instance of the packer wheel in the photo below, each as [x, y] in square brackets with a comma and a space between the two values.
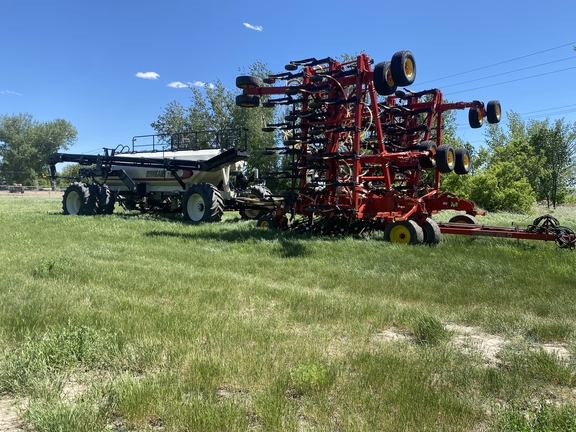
[493, 112]
[248, 101]
[475, 119]
[445, 158]
[405, 232]
[259, 192]
[267, 221]
[246, 82]
[428, 162]
[383, 81]
[431, 231]
[462, 161]
[464, 219]
[403, 68]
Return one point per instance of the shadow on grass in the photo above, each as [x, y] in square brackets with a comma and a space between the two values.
[157, 216]
[287, 244]
[175, 216]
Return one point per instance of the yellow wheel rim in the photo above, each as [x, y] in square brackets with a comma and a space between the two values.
[252, 213]
[498, 112]
[450, 158]
[466, 161]
[409, 68]
[389, 79]
[400, 234]
[265, 224]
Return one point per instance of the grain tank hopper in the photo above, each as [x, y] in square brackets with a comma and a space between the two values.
[200, 174]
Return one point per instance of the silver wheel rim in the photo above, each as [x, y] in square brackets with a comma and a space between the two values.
[196, 207]
[73, 203]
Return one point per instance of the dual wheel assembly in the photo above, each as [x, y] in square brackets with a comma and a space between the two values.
[445, 158]
[87, 199]
[409, 232]
[202, 202]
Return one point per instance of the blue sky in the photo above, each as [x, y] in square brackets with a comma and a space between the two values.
[110, 67]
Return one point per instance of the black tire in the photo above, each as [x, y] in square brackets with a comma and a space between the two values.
[79, 199]
[248, 101]
[267, 221]
[202, 202]
[259, 192]
[445, 158]
[246, 82]
[431, 232]
[475, 119]
[106, 200]
[383, 81]
[403, 68]
[464, 219]
[428, 162]
[406, 232]
[292, 90]
[462, 161]
[493, 112]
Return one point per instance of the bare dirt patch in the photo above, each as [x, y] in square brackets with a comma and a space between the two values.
[392, 334]
[472, 339]
[9, 420]
[557, 350]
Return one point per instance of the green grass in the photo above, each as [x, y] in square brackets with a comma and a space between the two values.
[136, 322]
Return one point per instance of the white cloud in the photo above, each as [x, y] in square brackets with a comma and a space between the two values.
[148, 75]
[202, 84]
[253, 27]
[9, 92]
[177, 84]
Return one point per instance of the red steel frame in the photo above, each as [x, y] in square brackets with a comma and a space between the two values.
[351, 167]
[367, 164]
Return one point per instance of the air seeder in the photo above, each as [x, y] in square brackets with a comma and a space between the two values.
[362, 154]
[200, 174]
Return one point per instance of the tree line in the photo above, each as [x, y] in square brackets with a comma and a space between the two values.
[523, 162]
[25, 143]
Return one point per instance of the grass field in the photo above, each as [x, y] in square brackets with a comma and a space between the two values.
[135, 322]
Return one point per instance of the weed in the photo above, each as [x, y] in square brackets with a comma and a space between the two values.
[311, 378]
[51, 267]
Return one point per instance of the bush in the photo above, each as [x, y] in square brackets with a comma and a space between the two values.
[502, 187]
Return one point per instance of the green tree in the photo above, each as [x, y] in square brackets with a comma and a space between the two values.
[543, 151]
[528, 161]
[25, 143]
[556, 144]
[69, 173]
[506, 171]
[502, 186]
[213, 108]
